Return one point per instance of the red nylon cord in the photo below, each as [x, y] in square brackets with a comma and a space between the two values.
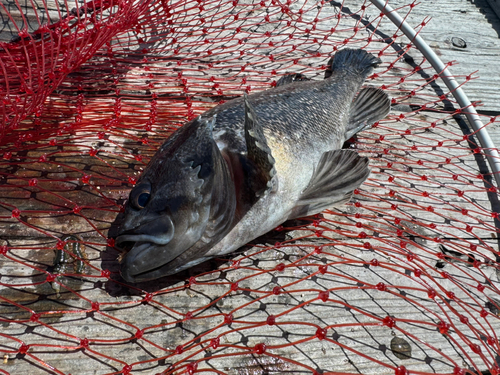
[88, 95]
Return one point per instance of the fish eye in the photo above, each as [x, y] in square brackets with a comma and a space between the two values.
[139, 197]
[143, 199]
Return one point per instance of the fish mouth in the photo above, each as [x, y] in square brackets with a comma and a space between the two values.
[124, 247]
[159, 231]
[132, 274]
[145, 260]
[127, 246]
[138, 250]
[126, 242]
[137, 243]
[156, 249]
[137, 257]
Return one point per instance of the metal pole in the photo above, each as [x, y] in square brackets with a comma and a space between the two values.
[474, 120]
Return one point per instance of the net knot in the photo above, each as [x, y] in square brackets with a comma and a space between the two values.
[192, 367]
[23, 349]
[321, 333]
[260, 348]
[389, 321]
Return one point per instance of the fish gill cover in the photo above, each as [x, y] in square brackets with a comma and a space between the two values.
[403, 279]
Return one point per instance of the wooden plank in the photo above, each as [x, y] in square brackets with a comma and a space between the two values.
[476, 24]
[60, 187]
[350, 282]
[24, 17]
[351, 277]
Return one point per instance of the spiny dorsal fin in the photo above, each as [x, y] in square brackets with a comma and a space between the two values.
[290, 78]
[258, 152]
[336, 176]
[370, 106]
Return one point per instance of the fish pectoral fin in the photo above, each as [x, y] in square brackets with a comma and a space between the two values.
[336, 176]
[223, 203]
[258, 152]
[369, 106]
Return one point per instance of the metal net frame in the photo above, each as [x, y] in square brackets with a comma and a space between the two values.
[402, 280]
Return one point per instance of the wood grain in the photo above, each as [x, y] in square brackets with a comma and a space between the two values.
[354, 311]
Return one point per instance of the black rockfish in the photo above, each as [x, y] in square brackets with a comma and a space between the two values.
[244, 167]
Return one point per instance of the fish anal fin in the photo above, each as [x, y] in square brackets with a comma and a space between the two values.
[336, 176]
[370, 105]
[261, 170]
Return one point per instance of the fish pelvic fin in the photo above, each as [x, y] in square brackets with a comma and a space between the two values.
[371, 105]
[336, 176]
[356, 60]
[262, 170]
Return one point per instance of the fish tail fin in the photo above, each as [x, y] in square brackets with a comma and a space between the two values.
[355, 60]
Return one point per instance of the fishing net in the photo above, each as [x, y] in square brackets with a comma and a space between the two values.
[403, 279]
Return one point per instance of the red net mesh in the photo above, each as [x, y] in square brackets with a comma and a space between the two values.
[402, 279]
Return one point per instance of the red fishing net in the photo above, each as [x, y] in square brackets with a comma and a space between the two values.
[403, 279]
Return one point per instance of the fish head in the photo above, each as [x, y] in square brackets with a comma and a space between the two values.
[159, 226]
[172, 204]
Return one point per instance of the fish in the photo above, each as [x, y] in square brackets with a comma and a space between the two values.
[244, 167]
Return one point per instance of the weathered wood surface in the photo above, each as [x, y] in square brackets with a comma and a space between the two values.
[24, 18]
[349, 283]
[474, 22]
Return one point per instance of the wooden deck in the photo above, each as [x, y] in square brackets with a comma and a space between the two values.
[358, 341]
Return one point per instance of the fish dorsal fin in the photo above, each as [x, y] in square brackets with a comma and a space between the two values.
[258, 152]
[291, 78]
[336, 176]
[369, 106]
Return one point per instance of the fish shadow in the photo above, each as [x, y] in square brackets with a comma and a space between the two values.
[116, 286]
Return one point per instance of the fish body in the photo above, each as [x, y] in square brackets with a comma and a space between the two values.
[244, 167]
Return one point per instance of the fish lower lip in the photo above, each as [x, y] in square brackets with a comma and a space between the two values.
[129, 245]
[136, 246]
[141, 246]
[125, 240]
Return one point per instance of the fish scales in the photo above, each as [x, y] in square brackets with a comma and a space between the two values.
[311, 112]
[243, 167]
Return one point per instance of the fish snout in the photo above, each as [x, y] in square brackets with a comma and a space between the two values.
[159, 231]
